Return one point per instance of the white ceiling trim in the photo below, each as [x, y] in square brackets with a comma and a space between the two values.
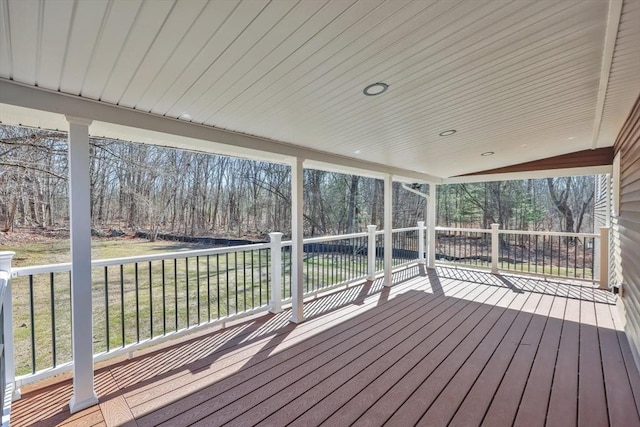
[611, 36]
[511, 176]
[217, 140]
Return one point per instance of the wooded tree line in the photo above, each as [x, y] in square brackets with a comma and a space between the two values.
[159, 189]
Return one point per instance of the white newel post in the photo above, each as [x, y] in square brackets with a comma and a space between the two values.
[7, 313]
[276, 272]
[297, 253]
[431, 227]
[604, 257]
[495, 247]
[388, 227]
[421, 242]
[84, 394]
[371, 252]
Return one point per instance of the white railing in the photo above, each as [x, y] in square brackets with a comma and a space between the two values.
[7, 390]
[546, 253]
[144, 300]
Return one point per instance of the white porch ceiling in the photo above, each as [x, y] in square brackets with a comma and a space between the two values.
[526, 79]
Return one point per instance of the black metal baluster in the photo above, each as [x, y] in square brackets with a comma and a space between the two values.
[53, 319]
[575, 256]
[137, 305]
[122, 332]
[536, 254]
[253, 278]
[244, 279]
[175, 290]
[106, 305]
[551, 254]
[218, 284]
[268, 261]
[150, 301]
[235, 275]
[227, 273]
[260, 252]
[318, 277]
[522, 252]
[186, 264]
[164, 300]
[566, 257]
[33, 326]
[529, 253]
[208, 289]
[544, 243]
[198, 287]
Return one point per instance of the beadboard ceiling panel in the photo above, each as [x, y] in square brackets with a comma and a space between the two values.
[524, 79]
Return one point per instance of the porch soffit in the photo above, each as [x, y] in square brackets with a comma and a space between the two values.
[526, 80]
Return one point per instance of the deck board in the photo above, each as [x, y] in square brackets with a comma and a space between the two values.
[452, 347]
[480, 395]
[592, 402]
[535, 399]
[320, 364]
[506, 400]
[616, 380]
[411, 349]
[449, 399]
[563, 402]
[414, 407]
[349, 334]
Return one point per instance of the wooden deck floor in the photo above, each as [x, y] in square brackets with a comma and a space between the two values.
[451, 347]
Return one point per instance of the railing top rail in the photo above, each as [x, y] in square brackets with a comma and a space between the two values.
[468, 230]
[400, 230]
[54, 268]
[548, 233]
[335, 237]
[532, 233]
[39, 269]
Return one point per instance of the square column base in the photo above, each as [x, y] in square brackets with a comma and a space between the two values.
[79, 406]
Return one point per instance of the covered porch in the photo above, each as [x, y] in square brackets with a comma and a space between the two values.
[425, 92]
[449, 346]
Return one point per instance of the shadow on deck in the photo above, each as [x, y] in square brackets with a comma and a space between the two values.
[445, 346]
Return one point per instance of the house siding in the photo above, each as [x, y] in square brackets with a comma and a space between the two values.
[626, 226]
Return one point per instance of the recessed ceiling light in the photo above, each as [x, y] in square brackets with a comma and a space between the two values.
[375, 89]
[572, 137]
[357, 152]
[523, 145]
[488, 153]
[185, 116]
[447, 132]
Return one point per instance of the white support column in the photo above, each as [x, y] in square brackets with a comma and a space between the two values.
[297, 253]
[431, 226]
[276, 272]
[8, 343]
[495, 247]
[388, 227]
[84, 394]
[371, 253]
[421, 242]
[604, 258]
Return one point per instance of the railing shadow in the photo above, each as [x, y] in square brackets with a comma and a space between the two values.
[581, 291]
